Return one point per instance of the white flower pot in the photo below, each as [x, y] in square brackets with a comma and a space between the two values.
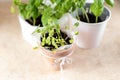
[90, 34]
[27, 31]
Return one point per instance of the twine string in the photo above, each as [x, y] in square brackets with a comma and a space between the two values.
[63, 61]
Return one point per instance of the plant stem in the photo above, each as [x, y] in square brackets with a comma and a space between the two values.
[34, 22]
[84, 12]
[96, 19]
[30, 20]
[78, 14]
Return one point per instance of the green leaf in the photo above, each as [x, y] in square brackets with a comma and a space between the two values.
[35, 48]
[76, 32]
[48, 40]
[71, 41]
[54, 43]
[51, 32]
[43, 31]
[36, 31]
[34, 13]
[46, 15]
[66, 27]
[81, 3]
[110, 2]
[16, 2]
[76, 24]
[58, 29]
[38, 2]
[62, 42]
[12, 9]
[97, 8]
[43, 41]
[32, 1]
[22, 9]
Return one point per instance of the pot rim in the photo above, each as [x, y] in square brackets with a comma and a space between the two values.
[107, 18]
[57, 53]
[21, 17]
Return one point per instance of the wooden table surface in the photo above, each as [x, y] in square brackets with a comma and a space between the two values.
[18, 61]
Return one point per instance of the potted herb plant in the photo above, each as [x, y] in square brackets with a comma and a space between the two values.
[56, 38]
[30, 14]
[93, 18]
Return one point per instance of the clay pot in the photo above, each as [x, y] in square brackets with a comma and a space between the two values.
[51, 56]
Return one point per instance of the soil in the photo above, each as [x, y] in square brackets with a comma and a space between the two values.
[38, 21]
[91, 18]
[64, 36]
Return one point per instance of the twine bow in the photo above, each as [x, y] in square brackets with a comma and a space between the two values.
[62, 61]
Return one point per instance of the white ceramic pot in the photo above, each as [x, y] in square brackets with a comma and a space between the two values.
[90, 34]
[27, 31]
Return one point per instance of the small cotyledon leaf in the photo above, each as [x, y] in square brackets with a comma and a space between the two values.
[12, 10]
[71, 41]
[34, 48]
[76, 32]
[66, 27]
[76, 24]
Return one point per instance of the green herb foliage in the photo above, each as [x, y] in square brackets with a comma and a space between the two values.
[110, 2]
[31, 10]
[98, 6]
[51, 34]
[50, 18]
